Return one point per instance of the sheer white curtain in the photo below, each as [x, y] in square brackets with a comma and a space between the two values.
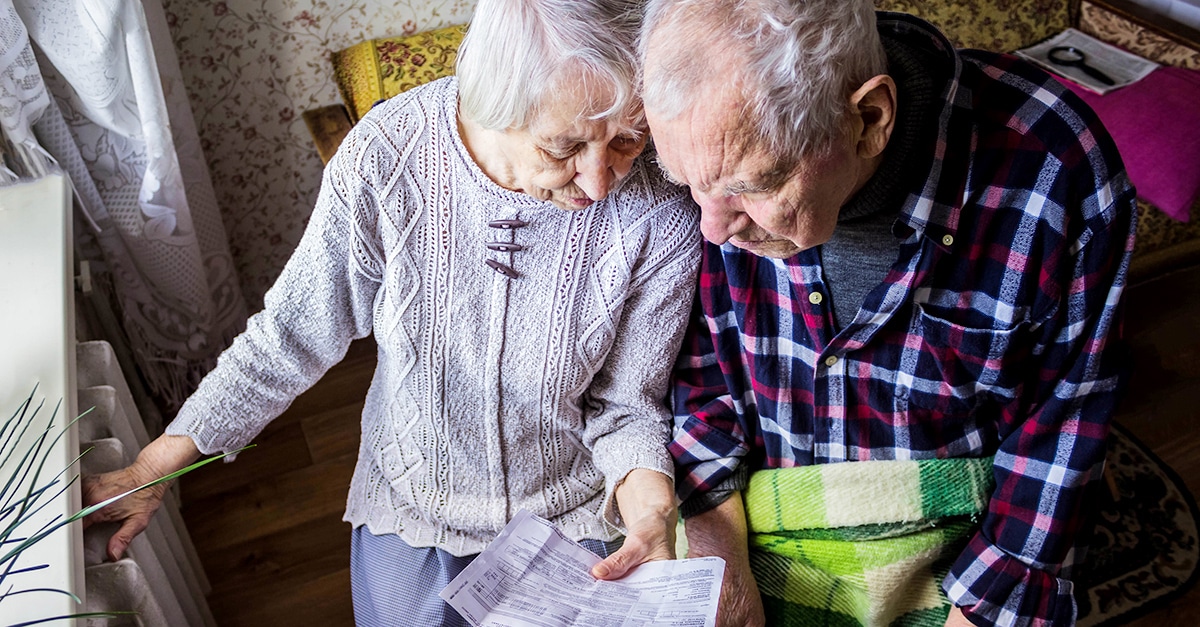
[93, 87]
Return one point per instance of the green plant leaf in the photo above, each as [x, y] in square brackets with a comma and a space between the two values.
[81, 615]
[93, 508]
[17, 508]
[175, 475]
[55, 590]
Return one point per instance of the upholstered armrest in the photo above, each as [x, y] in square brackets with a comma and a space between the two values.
[1000, 26]
[381, 68]
[376, 70]
[1164, 40]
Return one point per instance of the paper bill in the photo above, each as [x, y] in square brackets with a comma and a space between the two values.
[533, 576]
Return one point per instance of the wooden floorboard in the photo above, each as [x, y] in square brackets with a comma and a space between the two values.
[270, 505]
[333, 433]
[279, 560]
[320, 601]
[268, 526]
[1162, 408]
[279, 449]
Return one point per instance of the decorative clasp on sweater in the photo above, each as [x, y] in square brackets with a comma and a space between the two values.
[507, 224]
[501, 268]
[505, 247]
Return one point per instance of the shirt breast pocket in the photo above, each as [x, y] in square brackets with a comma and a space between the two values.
[950, 368]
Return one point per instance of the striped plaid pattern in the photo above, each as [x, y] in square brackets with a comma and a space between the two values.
[863, 543]
[992, 334]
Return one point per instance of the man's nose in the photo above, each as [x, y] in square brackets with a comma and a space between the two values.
[595, 175]
[717, 216]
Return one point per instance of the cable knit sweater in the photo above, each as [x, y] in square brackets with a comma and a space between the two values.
[492, 393]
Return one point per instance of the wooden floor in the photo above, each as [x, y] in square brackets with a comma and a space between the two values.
[1162, 408]
[268, 526]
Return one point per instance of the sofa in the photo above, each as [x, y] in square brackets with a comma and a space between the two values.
[381, 68]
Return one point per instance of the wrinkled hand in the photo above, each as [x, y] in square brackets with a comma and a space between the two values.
[163, 456]
[133, 511]
[722, 532]
[646, 500]
[740, 605]
[650, 538]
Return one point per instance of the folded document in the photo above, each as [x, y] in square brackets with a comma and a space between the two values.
[533, 576]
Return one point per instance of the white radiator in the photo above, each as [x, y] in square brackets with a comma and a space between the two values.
[161, 577]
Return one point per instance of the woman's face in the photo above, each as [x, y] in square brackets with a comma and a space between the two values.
[566, 158]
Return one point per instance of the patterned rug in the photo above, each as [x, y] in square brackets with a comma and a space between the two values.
[1146, 547]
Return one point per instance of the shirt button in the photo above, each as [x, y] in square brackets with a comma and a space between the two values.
[815, 298]
[947, 239]
[830, 361]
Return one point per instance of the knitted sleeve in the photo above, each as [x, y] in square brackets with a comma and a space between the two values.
[320, 303]
[629, 424]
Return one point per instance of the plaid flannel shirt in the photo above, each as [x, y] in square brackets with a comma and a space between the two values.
[994, 333]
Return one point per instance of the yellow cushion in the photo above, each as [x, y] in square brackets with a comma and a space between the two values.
[988, 24]
[378, 69]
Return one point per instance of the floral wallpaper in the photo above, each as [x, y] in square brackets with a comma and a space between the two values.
[250, 68]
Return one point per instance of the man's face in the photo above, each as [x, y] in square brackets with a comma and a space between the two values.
[746, 198]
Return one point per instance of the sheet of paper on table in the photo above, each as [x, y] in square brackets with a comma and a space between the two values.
[1122, 67]
[533, 576]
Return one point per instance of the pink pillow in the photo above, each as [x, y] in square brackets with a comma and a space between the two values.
[1156, 125]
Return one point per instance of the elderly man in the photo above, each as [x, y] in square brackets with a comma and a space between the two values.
[915, 261]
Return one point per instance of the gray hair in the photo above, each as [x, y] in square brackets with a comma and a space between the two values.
[800, 60]
[517, 53]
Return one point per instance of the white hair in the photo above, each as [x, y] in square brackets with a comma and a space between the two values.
[517, 53]
[798, 63]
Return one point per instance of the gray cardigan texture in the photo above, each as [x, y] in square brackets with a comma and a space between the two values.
[492, 393]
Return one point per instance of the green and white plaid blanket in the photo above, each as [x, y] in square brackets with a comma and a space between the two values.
[862, 543]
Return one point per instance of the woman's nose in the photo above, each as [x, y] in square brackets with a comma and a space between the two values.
[596, 175]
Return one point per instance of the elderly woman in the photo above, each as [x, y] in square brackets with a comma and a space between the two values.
[526, 277]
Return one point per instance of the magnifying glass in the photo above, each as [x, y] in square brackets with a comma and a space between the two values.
[1070, 56]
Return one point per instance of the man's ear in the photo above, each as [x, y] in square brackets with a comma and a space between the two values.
[873, 107]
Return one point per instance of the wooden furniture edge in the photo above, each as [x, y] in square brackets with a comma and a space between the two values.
[328, 127]
[1175, 31]
[1153, 264]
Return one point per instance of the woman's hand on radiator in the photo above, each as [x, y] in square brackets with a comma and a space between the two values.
[161, 457]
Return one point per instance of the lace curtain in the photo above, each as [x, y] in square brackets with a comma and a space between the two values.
[93, 88]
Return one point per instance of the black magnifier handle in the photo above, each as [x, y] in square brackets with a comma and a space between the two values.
[1096, 74]
[1071, 56]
